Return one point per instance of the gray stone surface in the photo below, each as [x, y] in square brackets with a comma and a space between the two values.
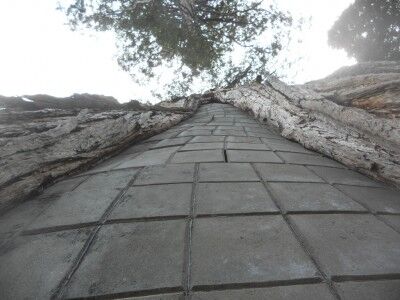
[229, 132]
[227, 172]
[305, 159]
[237, 197]
[206, 229]
[131, 257]
[243, 139]
[202, 146]
[298, 292]
[295, 196]
[198, 156]
[87, 202]
[246, 249]
[149, 158]
[207, 139]
[252, 156]
[393, 220]
[33, 266]
[333, 175]
[351, 244]
[369, 290]
[154, 200]
[246, 146]
[284, 172]
[377, 199]
[166, 174]
[285, 145]
[172, 142]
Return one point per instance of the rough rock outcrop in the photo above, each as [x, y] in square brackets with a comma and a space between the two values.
[51, 143]
[351, 116]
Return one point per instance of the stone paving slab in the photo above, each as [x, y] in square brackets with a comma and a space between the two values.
[377, 199]
[166, 174]
[86, 203]
[33, 266]
[207, 139]
[252, 156]
[153, 201]
[246, 249]
[298, 292]
[28, 211]
[227, 172]
[149, 158]
[298, 197]
[351, 244]
[370, 290]
[246, 146]
[132, 257]
[333, 175]
[172, 142]
[284, 145]
[198, 156]
[306, 159]
[283, 172]
[238, 197]
[243, 139]
[202, 146]
[393, 221]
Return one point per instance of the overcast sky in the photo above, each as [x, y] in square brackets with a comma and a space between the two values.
[39, 53]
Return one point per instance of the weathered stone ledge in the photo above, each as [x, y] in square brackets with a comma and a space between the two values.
[355, 137]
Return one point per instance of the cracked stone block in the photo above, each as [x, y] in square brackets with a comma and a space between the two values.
[246, 249]
[305, 159]
[207, 139]
[227, 172]
[378, 199]
[312, 197]
[153, 201]
[238, 197]
[283, 172]
[284, 145]
[87, 202]
[33, 266]
[131, 257]
[166, 174]
[298, 292]
[149, 158]
[252, 156]
[172, 142]
[243, 139]
[25, 213]
[195, 132]
[351, 244]
[202, 146]
[199, 156]
[393, 220]
[370, 290]
[333, 175]
[246, 146]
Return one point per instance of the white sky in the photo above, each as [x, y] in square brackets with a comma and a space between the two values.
[39, 53]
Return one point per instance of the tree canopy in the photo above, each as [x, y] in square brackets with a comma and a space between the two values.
[223, 42]
[369, 30]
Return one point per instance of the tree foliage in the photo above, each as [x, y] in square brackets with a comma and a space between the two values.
[195, 38]
[369, 30]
